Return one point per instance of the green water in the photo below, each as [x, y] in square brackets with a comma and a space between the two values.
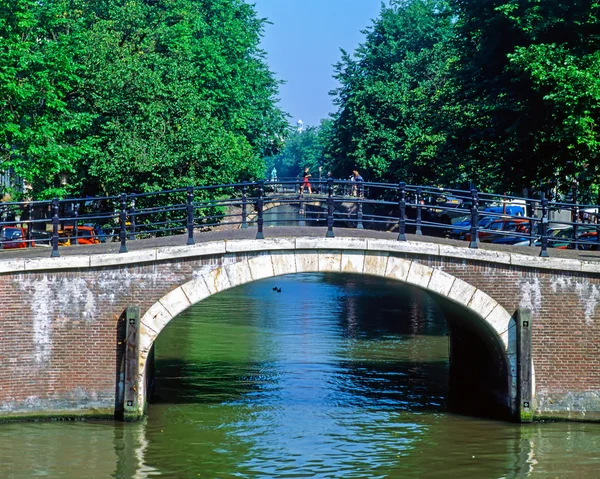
[333, 377]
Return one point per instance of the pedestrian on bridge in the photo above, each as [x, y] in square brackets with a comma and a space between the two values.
[306, 182]
[357, 189]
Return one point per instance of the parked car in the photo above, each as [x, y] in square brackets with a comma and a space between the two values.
[85, 235]
[13, 237]
[498, 229]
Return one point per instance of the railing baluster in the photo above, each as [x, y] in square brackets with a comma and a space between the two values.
[418, 231]
[123, 224]
[402, 212]
[244, 206]
[29, 211]
[132, 225]
[359, 215]
[190, 216]
[55, 220]
[544, 232]
[76, 222]
[259, 207]
[330, 208]
[474, 243]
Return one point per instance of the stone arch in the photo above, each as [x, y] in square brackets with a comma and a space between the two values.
[268, 264]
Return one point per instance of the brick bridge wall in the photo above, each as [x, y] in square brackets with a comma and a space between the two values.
[62, 323]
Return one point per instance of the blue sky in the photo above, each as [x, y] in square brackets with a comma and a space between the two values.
[303, 44]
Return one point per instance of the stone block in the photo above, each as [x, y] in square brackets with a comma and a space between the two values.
[307, 261]
[560, 264]
[419, 274]
[461, 292]
[590, 266]
[175, 302]
[155, 319]
[353, 261]
[261, 266]
[238, 273]
[284, 262]
[196, 290]
[64, 262]
[190, 251]
[330, 261]
[113, 259]
[12, 266]
[474, 254]
[499, 319]
[397, 268]
[413, 247]
[376, 263]
[482, 303]
[332, 243]
[267, 244]
[441, 282]
[217, 280]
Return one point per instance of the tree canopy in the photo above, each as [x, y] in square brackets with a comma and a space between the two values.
[141, 95]
[502, 93]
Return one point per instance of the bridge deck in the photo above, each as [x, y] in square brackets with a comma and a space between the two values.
[281, 232]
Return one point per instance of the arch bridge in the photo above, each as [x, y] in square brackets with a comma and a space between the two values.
[78, 328]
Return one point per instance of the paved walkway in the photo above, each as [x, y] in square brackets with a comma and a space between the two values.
[280, 232]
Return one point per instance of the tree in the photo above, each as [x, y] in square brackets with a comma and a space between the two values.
[529, 83]
[391, 96]
[138, 95]
[302, 149]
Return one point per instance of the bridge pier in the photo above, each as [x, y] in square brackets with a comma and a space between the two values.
[525, 366]
[131, 376]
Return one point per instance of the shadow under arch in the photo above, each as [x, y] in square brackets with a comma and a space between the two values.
[482, 332]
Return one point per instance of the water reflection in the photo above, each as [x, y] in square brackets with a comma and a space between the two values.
[335, 376]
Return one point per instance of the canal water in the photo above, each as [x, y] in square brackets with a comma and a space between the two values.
[336, 376]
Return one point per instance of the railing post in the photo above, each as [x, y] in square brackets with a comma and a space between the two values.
[123, 224]
[29, 210]
[359, 215]
[132, 219]
[260, 203]
[575, 214]
[76, 224]
[55, 220]
[190, 216]
[402, 214]
[544, 233]
[474, 219]
[418, 231]
[244, 206]
[329, 208]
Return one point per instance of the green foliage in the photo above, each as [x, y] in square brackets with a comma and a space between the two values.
[503, 93]
[300, 150]
[134, 96]
[391, 95]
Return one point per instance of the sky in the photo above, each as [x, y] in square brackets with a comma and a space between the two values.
[303, 43]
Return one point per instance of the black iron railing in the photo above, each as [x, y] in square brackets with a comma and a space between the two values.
[473, 216]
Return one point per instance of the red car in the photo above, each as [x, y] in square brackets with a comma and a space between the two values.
[13, 237]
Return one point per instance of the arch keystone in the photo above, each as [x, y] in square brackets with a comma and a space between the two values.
[330, 261]
[376, 263]
[283, 262]
[307, 262]
[353, 261]
[261, 266]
